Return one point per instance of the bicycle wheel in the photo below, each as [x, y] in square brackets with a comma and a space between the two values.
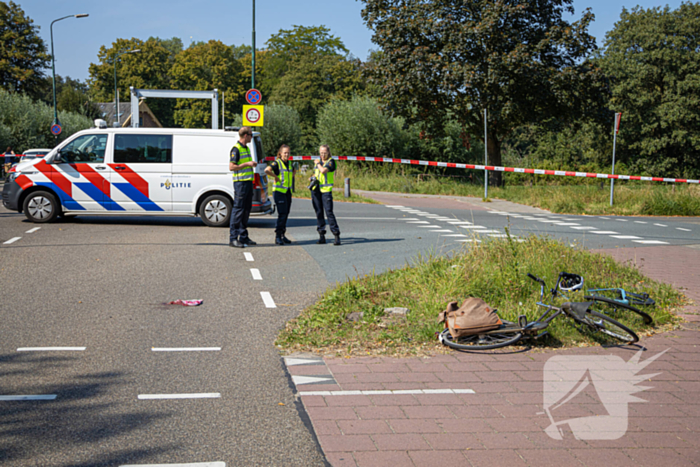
[610, 306]
[607, 325]
[490, 340]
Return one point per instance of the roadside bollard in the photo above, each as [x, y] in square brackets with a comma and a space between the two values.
[347, 187]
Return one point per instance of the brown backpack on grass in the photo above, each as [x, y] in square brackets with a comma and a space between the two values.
[473, 317]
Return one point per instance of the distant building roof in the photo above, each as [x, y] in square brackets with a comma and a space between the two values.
[108, 115]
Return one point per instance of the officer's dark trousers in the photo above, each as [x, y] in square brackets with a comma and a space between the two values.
[283, 201]
[321, 202]
[242, 203]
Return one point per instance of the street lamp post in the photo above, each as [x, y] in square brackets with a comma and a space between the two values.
[116, 101]
[53, 65]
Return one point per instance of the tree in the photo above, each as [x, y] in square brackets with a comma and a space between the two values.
[290, 44]
[148, 69]
[358, 127]
[23, 53]
[516, 58]
[205, 67]
[652, 59]
[312, 80]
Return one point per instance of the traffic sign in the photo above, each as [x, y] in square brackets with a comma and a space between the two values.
[253, 115]
[56, 129]
[253, 97]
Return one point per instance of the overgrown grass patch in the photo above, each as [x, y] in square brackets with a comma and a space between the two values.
[495, 270]
[590, 197]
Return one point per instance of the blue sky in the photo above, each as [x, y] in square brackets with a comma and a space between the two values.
[77, 41]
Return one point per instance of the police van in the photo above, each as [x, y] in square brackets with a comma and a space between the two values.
[135, 171]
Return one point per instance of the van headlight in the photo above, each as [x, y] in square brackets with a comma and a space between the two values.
[12, 176]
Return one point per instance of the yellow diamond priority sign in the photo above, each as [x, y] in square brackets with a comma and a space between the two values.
[253, 115]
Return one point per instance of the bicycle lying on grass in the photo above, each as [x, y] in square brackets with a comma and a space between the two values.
[620, 299]
[586, 314]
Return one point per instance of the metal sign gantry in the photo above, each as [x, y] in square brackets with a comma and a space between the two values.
[136, 94]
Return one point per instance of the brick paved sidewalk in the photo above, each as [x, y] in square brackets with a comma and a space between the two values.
[502, 421]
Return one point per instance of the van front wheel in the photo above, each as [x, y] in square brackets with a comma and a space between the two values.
[215, 211]
[40, 207]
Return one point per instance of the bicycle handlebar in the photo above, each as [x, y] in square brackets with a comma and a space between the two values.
[535, 278]
[542, 284]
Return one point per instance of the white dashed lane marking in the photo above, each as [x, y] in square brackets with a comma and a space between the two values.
[661, 225]
[185, 349]
[204, 395]
[418, 222]
[267, 298]
[584, 228]
[194, 464]
[248, 256]
[50, 349]
[256, 274]
[12, 240]
[37, 397]
[605, 232]
[640, 222]
[387, 392]
[684, 230]
[626, 237]
[650, 242]
[33, 230]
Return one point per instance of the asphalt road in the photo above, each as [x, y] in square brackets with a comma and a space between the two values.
[101, 284]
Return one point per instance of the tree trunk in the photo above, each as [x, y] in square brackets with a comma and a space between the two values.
[494, 149]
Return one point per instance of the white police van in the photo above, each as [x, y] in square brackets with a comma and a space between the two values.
[135, 171]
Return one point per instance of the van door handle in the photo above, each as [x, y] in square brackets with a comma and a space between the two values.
[100, 167]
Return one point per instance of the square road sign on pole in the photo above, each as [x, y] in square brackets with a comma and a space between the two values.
[253, 115]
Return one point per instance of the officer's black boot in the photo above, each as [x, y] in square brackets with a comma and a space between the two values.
[337, 240]
[322, 238]
[278, 240]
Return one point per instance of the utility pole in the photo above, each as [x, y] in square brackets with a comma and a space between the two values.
[252, 80]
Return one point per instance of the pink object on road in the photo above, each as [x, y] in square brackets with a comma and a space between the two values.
[186, 302]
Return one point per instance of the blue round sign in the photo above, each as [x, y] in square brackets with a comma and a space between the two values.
[56, 129]
[253, 96]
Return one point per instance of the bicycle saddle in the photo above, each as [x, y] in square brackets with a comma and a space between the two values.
[578, 309]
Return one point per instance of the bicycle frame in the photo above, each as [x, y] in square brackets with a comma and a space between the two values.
[636, 299]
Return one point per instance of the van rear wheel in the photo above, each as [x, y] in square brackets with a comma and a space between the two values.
[215, 211]
[40, 207]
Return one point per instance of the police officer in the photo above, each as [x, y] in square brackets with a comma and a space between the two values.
[242, 165]
[282, 171]
[322, 198]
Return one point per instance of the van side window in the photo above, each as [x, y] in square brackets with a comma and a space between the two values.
[153, 149]
[86, 148]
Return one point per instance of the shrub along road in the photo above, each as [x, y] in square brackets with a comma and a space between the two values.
[100, 283]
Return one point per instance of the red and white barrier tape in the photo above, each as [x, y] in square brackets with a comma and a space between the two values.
[495, 168]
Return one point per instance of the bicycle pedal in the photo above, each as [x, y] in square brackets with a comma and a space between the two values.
[522, 321]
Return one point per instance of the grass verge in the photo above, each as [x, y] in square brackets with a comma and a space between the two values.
[631, 198]
[494, 270]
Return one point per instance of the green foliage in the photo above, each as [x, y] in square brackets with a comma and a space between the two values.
[290, 44]
[25, 123]
[173, 45]
[519, 60]
[148, 69]
[495, 270]
[359, 128]
[310, 82]
[652, 60]
[22, 52]
[282, 126]
[205, 67]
